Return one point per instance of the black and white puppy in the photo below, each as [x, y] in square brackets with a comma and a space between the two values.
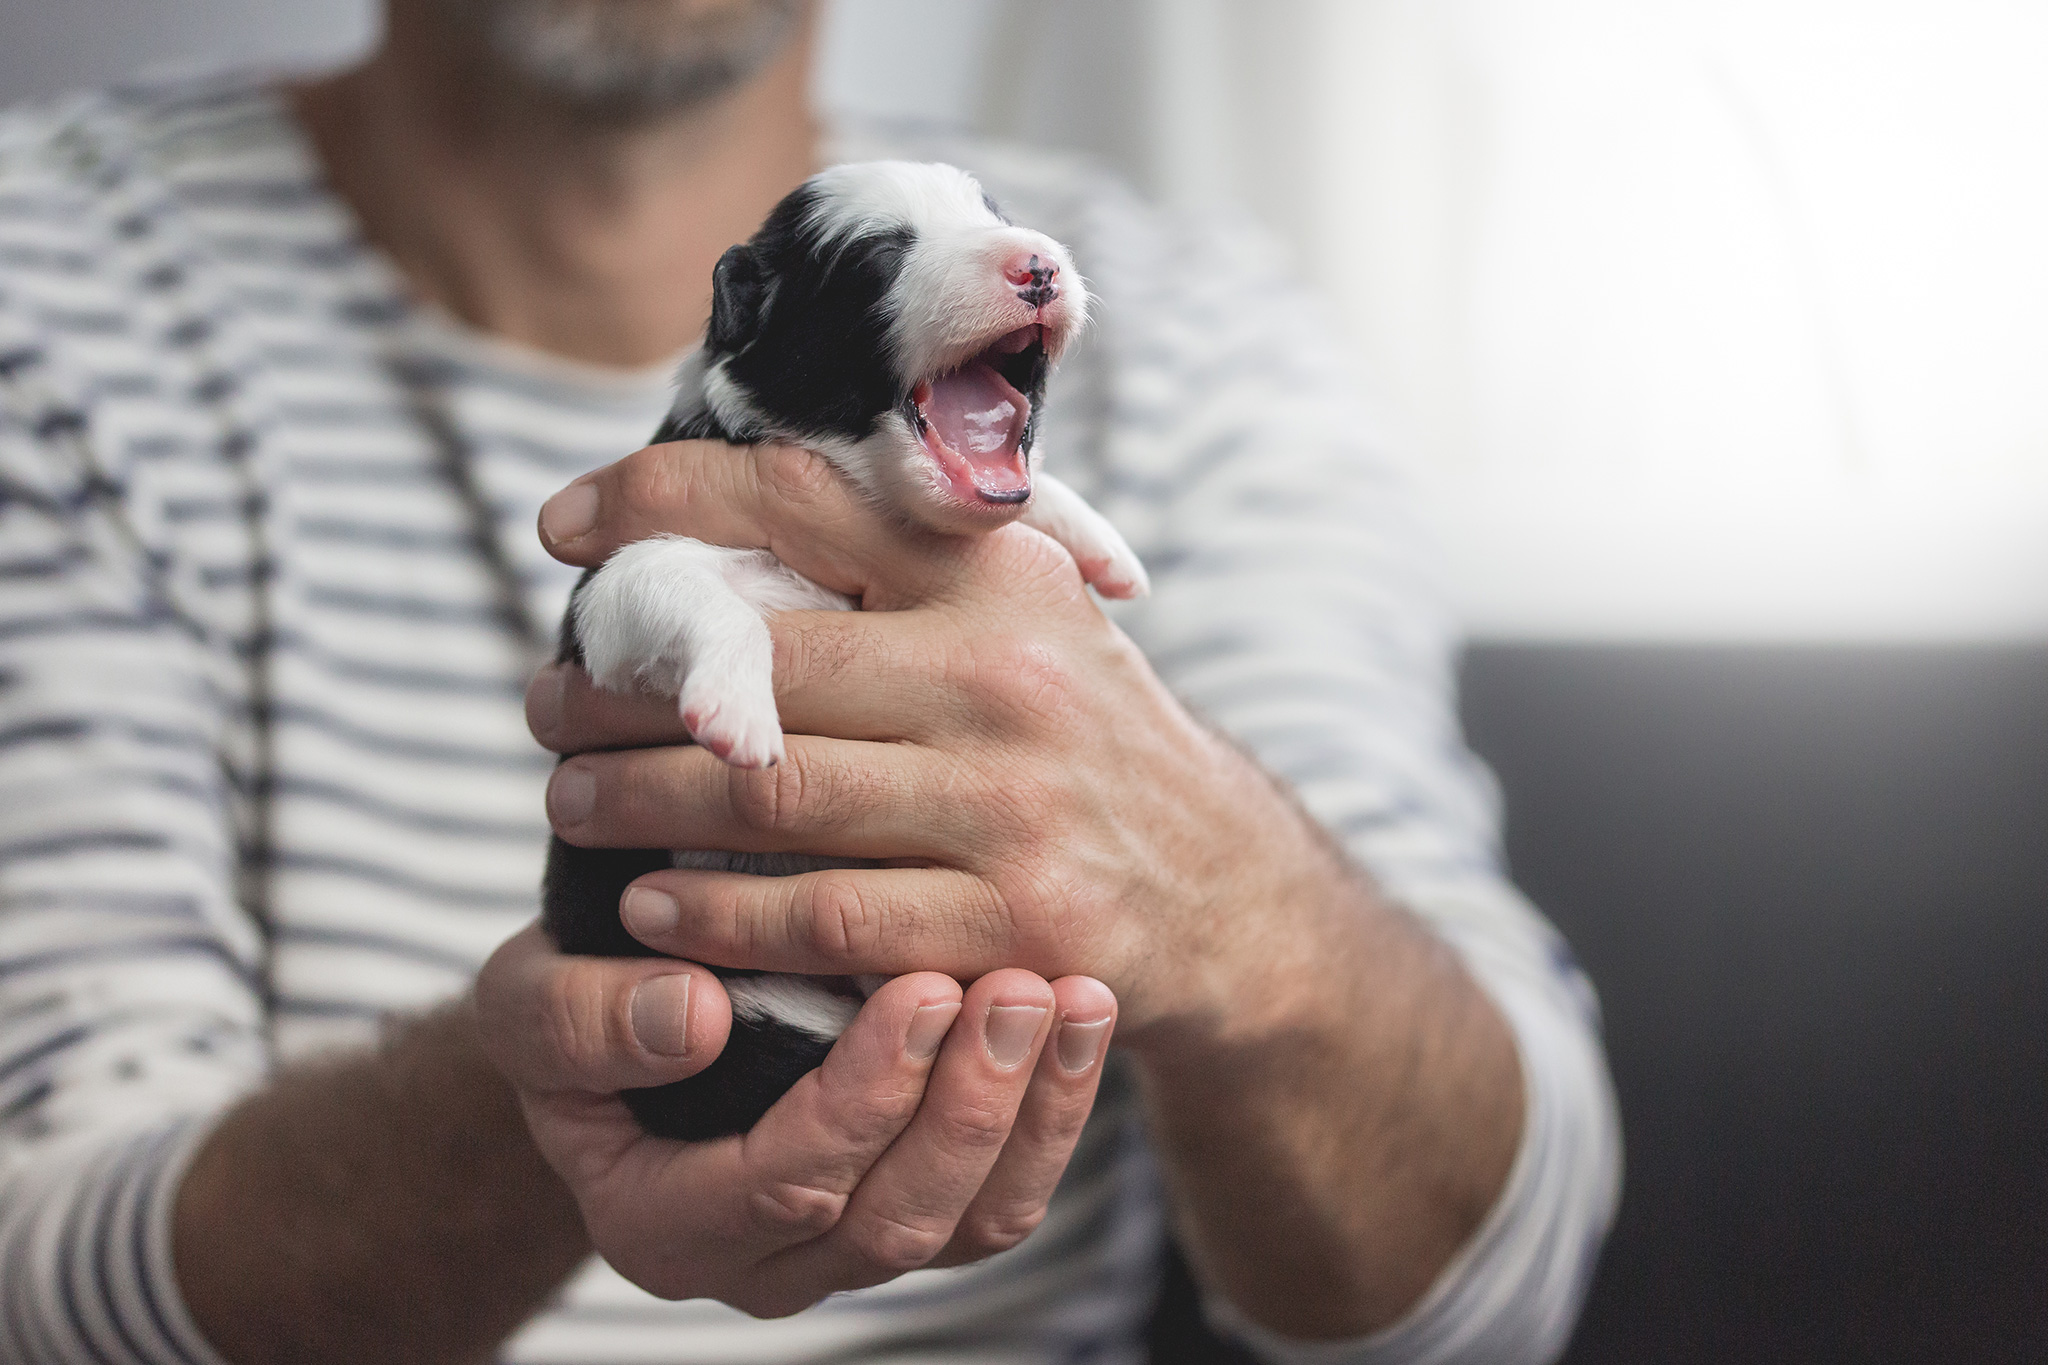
[888, 317]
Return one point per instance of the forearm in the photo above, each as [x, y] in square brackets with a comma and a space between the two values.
[388, 1207]
[1334, 1138]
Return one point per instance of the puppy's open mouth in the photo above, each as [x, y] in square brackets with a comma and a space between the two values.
[972, 420]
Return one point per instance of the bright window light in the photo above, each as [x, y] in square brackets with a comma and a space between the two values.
[1712, 318]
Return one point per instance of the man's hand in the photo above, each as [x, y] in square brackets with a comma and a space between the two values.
[1337, 1103]
[1044, 802]
[932, 1135]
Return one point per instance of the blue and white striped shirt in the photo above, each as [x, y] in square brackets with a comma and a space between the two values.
[218, 502]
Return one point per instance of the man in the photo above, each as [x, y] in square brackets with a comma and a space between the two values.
[287, 375]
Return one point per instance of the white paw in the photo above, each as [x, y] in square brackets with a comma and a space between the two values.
[1117, 574]
[1105, 558]
[737, 723]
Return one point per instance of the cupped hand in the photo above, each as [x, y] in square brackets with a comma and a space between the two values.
[1038, 798]
[933, 1134]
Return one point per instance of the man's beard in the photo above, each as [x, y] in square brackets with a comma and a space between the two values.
[630, 57]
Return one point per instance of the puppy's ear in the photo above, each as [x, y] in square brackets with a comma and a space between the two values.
[740, 292]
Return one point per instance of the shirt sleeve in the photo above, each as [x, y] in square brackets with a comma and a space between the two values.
[1294, 607]
[129, 1011]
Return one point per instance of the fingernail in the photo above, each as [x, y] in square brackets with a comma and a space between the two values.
[661, 1014]
[1011, 1030]
[649, 913]
[1081, 1044]
[544, 697]
[928, 1029]
[569, 513]
[572, 795]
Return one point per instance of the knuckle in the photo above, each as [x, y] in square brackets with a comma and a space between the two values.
[839, 920]
[868, 1117]
[1014, 676]
[897, 1243]
[787, 1207]
[985, 1234]
[973, 1126]
[649, 479]
[572, 1017]
[1060, 880]
[797, 654]
[1028, 556]
[772, 801]
[1056, 904]
[1037, 802]
[794, 473]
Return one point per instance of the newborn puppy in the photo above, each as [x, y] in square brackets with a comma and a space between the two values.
[888, 317]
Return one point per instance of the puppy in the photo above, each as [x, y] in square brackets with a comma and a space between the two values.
[888, 317]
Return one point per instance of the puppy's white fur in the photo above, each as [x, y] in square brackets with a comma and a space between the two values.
[793, 1002]
[1106, 561]
[677, 617]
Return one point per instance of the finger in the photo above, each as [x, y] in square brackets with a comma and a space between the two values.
[906, 1208]
[1012, 1201]
[844, 921]
[690, 1219]
[872, 675]
[801, 1163]
[832, 797]
[570, 714]
[777, 498]
[596, 1025]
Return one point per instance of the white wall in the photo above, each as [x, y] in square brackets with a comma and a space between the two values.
[916, 60]
[1713, 318]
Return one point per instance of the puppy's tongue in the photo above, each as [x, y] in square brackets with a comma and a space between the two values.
[980, 420]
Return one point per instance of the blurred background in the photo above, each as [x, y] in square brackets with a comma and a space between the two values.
[1717, 334]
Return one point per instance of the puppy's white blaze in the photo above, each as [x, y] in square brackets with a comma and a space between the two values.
[869, 198]
[792, 1001]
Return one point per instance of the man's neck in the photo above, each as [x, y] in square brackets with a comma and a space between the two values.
[586, 237]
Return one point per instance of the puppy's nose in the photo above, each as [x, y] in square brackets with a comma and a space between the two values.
[1035, 277]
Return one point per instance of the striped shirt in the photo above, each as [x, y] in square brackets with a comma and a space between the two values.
[264, 777]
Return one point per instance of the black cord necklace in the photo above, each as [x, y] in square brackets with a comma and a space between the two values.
[456, 458]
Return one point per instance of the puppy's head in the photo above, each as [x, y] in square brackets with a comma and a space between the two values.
[889, 317]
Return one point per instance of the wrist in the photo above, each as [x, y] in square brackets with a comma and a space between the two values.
[1267, 952]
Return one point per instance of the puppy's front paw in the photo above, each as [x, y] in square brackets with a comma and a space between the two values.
[737, 724]
[1105, 559]
[1117, 574]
